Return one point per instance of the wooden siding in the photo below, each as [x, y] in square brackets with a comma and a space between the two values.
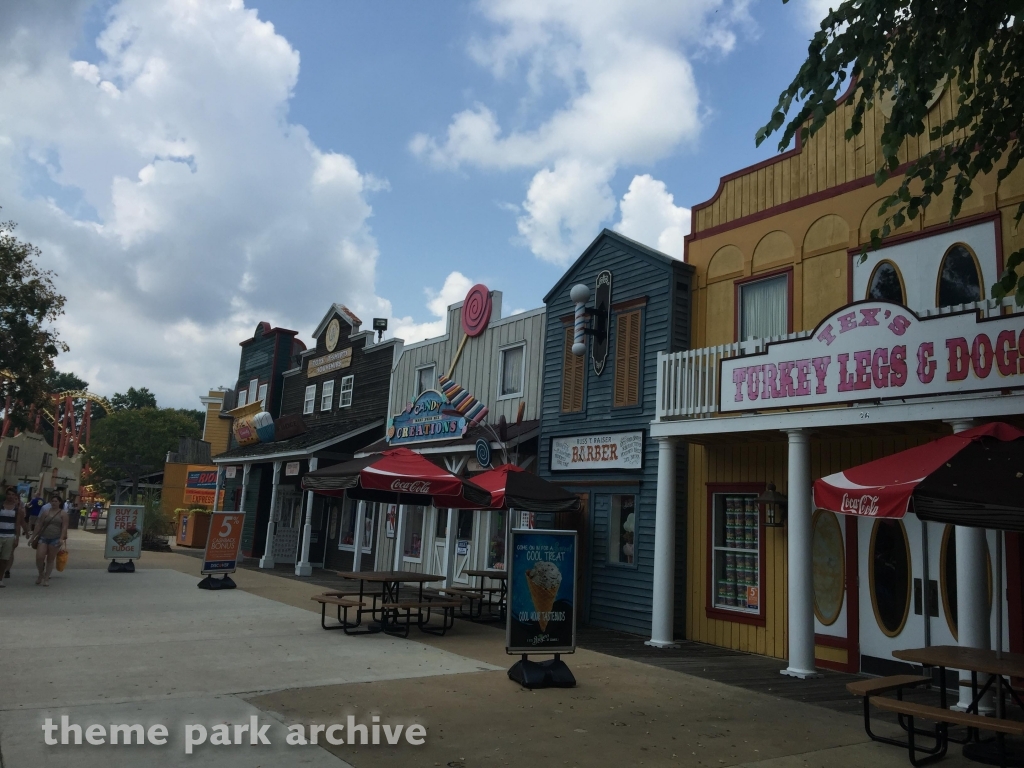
[761, 463]
[619, 596]
[371, 369]
[825, 161]
[478, 367]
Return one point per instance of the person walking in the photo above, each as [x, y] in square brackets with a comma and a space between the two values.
[12, 522]
[50, 535]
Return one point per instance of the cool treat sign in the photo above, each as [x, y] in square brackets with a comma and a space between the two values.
[874, 350]
[542, 592]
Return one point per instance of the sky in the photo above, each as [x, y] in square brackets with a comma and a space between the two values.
[190, 168]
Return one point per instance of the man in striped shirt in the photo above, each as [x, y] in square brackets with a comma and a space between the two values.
[12, 523]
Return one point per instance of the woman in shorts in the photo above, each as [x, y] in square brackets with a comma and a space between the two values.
[51, 533]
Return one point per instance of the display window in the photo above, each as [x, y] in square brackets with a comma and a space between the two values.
[736, 553]
[412, 537]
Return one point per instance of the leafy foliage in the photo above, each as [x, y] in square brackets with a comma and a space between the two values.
[29, 304]
[136, 441]
[195, 414]
[133, 400]
[907, 49]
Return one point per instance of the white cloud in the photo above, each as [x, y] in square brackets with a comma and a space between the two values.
[169, 191]
[454, 290]
[564, 208]
[622, 74]
[650, 216]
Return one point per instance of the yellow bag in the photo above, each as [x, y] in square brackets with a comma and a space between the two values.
[62, 559]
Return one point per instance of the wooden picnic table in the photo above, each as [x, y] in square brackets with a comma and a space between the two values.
[998, 667]
[502, 590]
[390, 585]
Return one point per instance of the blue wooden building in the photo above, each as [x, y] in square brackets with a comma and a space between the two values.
[597, 410]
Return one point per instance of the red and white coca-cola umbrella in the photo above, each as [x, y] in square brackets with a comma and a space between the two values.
[975, 478]
[397, 476]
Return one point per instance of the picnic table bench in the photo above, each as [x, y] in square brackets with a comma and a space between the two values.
[343, 603]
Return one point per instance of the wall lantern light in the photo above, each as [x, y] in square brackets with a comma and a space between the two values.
[774, 507]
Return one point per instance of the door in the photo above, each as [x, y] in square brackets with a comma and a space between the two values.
[318, 530]
[438, 552]
[462, 555]
[289, 523]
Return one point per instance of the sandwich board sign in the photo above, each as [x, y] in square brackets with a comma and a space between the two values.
[541, 615]
[124, 532]
[222, 543]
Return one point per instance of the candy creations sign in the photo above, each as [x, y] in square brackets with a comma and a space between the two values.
[429, 417]
[124, 532]
[622, 450]
[541, 616]
[875, 350]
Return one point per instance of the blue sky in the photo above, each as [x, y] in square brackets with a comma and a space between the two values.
[189, 170]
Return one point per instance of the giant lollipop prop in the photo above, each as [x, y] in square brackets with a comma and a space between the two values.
[476, 314]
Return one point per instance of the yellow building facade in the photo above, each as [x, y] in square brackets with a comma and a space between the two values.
[777, 250]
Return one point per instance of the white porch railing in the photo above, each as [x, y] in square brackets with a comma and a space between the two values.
[688, 381]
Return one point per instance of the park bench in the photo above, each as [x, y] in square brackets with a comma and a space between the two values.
[342, 603]
[943, 717]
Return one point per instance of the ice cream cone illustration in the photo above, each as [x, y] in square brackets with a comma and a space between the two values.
[543, 580]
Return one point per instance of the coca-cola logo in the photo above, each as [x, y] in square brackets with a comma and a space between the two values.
[862, 505]
[410, 486]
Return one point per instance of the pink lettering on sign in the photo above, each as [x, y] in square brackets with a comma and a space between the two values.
[820, 371]
[1006, 353]
[926, 364]
[959, 359]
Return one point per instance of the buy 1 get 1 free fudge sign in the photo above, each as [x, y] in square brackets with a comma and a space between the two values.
[875, 350]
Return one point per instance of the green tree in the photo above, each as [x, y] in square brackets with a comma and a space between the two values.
[65, 381]
[906, 50]
[195, 414]
[29, 304]
[133, 400]
[134, 442]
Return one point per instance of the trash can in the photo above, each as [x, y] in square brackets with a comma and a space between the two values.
[73, 519]
[192, 527]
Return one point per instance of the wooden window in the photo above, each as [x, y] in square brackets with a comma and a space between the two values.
[309, 399]
[347, 385]
[627, 359]
[262, 396]
[425, 380]
[574, 369]
[241, 398]
[327, 396]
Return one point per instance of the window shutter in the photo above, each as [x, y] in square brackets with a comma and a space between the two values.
[572, 376]
[627, 360]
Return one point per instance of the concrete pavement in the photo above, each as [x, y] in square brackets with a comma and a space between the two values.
[151, 648]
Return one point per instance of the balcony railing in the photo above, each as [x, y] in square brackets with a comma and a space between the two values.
[688, 381]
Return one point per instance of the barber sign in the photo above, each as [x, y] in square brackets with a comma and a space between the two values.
[875, 350]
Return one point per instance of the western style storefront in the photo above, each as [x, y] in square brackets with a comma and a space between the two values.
[598, 406]
[449, 397]
[333, 401]
[809, 359]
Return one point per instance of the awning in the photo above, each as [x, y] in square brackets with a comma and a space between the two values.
[974, 478]
[512, 487]
[397, 476]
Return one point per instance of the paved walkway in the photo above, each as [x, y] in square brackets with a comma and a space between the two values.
[151, 648]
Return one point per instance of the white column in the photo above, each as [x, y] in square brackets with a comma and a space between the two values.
[245, 487]
[399, 532]
[357, 540]
[450, 547]
[663, 597]
[303, 568]
[267, 561]
[971, 591]
[217, 489]
[801, 596]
